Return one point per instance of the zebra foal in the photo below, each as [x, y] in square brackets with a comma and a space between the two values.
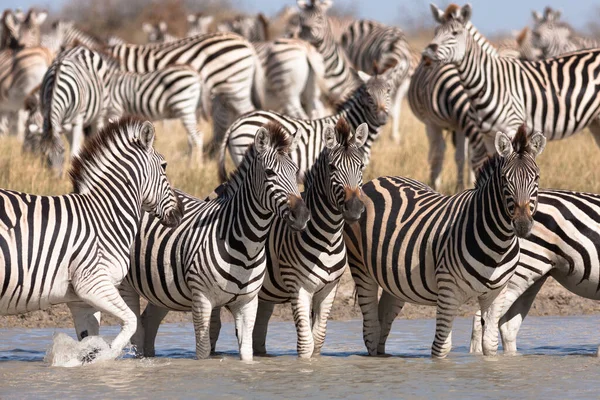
[429, 249]
[75, 247]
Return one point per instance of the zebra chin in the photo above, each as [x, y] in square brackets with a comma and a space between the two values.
[352, 209]
[298, 214]
[173, 217]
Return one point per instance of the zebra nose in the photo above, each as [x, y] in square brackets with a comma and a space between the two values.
[353, 205]
[433, 47]
[299, 214]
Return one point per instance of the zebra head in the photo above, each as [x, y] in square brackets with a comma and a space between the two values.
[379, 89]
[527, 50]
[30, 30]
[276, 175]
[551, 35]
[520, 176]
[158, 197]
[450, 40]
[198, 24]
[345, 166]
[312, 20]
[155, 32]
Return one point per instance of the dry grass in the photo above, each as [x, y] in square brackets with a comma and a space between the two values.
[568, 164]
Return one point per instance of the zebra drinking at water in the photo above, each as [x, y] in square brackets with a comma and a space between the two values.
[429, 249]
[304, 268]
[216, 257]
[76, 247]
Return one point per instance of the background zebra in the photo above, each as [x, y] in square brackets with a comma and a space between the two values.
[72, 247]
[304, 268]
[370, 104]
[157, 32]
[429, 249]
[216, 257]
[199, 24]
[564, 243]
[226, 62]
[542, 94]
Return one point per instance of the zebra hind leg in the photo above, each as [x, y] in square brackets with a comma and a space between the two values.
[367, 294]
[491, 305]
[215, 328]
[150, 321]
[259, 335]
[476, 334]
[244, 314]
[195, 138]
[301, 307]
[132, 299]
[85, 318]
[322, 303]
[389, 308]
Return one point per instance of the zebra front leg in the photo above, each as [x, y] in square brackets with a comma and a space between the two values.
[195, 138]
[491, 305]
[132, 299]
[448, 303]
[150, 320]
[244, 314]
[259, 335]
[516, 307]
[322, 303]
[215, 328]
[85, 318]
[201, 312]
[388, 309]
[437, 148]
[301, 306]
[397, 108]
[21, 120]
[101, 294]
[367, 291]
[476, 334]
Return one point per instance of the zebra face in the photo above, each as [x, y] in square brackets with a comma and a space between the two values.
[155, 32]
[345, 168]
[552, 39]
[158, 197]
[276, 176]
[379, 99]
[520, 177]
[312, 20]
[30, 31]
[450, 41]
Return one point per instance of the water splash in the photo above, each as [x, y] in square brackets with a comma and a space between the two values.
[68, 352]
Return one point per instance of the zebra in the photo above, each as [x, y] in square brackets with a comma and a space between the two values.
[226, 62]
[430, 249]
[29, 33]
[554, 37]
[370, 103]
[216, 256]
[65, 34]
[11, 23]
[157, 33]
[505, 92]
[76, 247]
[368, 44]
[564, 244]
[73, 96]
[253, 28]
[199, 24]
[305, 268]
[521, 46]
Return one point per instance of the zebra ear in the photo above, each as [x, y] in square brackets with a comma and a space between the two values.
[437, 13]
[207, 19]
[261, 140]
[361, 134]
[329, 138]
[465, 13]
[537, 143]
[296, 140]
[162, 25]
[147, 134]
[11, 21]
[146, 27]
[503, 144]
[326, 4]
[363, 76]
[191, 18]
[41, 17]
[536, 16]
[302, 4]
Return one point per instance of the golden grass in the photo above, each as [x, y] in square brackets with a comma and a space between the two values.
[568, 164]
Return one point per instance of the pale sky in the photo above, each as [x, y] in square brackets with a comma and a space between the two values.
[489, 16]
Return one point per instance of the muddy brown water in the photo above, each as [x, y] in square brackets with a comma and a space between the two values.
[557, 360]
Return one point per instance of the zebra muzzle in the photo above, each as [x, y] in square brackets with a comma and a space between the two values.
[298, 215]
[522, 220]
[353, 206]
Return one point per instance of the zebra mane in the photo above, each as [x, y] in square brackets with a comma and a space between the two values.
[520, 145]
[522, 35]
[96, 147]
[451, 11]
[279, 139]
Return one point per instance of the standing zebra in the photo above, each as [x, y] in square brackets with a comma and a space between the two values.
[564, 244]
[76, 247]
[304, 268]
[65, 34]
[253, 28]
[227, 64]
[370, 103]
[216, 257]
[505, 92]
[369, 44]
[429, 249]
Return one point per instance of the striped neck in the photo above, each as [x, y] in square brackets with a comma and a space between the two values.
[340, 77]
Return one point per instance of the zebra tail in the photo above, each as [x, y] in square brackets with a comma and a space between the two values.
[258, 84]
[222, 151]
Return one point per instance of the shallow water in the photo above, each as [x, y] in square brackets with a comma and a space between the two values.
[557, 361]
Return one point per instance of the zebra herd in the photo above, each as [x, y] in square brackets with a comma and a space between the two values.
[303, 108]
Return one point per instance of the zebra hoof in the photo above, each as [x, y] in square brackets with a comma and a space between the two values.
[91, 355]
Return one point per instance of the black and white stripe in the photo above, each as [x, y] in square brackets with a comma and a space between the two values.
[429, 249]
[76, 247]
[370, 103]
[216, 257]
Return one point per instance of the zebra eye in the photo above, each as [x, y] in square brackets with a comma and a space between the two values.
[332, 167]
[270, 173]
[163, 164]
[454, 33]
